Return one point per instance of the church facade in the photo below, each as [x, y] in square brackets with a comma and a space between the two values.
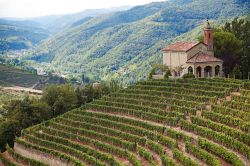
[193, 57]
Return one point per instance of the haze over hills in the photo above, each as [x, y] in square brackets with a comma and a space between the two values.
[124, 44]
[22, 33]
[55, 23]
[16, 35]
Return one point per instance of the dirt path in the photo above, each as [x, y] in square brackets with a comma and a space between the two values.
[22, 89]
[116, 157]
[243, 158]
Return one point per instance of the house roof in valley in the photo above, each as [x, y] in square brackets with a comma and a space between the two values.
[201, 57]
[181, 46]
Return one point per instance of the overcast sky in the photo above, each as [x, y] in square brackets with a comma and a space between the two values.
[33, 8]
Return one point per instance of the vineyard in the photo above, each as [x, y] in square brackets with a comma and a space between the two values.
[187, 122]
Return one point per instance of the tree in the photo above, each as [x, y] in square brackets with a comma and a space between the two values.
[228, 48]
[81, 99]
[61, 98]
[241, 29]
[236, 71]
[8, 131]
[56, 100]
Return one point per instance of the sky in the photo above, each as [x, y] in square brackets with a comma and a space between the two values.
[34, 8]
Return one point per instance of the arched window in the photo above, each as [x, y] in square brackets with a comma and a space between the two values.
[190, 70]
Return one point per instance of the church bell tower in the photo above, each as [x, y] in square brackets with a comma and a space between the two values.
[208, 37]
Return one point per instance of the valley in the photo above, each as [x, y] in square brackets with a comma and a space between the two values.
[124, 45]
[157, 84]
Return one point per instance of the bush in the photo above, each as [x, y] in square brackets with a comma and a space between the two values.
[162, 68]
[167, 74]
[188, 75]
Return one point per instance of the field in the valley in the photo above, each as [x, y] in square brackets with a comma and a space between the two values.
[170, 122]
[10, 76]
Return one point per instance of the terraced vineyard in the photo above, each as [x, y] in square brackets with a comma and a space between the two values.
[171, 122]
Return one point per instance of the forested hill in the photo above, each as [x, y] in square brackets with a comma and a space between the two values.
[56, 23]
[16, 35]
[124, 44]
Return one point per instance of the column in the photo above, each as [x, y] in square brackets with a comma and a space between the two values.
[202, 72]
[195, 72]
[212, 71]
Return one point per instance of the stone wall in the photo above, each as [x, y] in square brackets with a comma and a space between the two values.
[39, 156]
[158, 77]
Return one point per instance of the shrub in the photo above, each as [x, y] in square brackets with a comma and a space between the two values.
[188, 75]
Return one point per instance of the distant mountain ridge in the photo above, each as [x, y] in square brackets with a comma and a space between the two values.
[56, 23]
[124, 44]
[16, 35]
[22, 33]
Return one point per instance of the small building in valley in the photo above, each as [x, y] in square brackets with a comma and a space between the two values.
[193, 57]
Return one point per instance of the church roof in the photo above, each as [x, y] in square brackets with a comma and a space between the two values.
[201, 57]
[180, 46]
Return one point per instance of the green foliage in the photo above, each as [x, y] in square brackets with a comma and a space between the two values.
[60, 98]
[186, 161]
[188, 75]
[220, 151]
[152, 117]
[236, 71]
[231, 44]
[8, 131]
[228, 48]
[124, 45]
[56, 100]
[202, 154]
[218, 137]
[159, 69]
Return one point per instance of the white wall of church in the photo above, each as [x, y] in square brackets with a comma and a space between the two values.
[174, 59]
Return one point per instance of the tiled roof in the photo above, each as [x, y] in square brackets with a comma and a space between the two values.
[180, 46]
[202, 57]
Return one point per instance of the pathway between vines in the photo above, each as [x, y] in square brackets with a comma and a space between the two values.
[195, 136]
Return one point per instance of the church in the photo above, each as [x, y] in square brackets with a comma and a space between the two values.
[193, 57]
